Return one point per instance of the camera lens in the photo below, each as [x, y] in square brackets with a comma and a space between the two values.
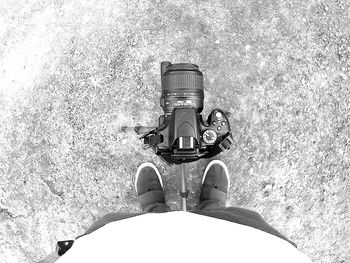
[182, 87]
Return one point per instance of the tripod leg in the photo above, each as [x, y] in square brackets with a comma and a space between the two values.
[183, 192]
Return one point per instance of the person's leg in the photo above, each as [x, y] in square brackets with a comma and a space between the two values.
[215, 185]
[208, 205]
[150, 190]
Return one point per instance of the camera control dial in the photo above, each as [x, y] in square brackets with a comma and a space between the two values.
[209, 136]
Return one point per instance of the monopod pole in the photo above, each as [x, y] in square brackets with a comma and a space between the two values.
[183, 192]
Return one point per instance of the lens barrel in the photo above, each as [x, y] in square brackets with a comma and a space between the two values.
[182, 87]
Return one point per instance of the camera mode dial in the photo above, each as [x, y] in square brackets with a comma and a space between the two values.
[209, 136]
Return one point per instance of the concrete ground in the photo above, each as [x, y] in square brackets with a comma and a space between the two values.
[73, 72]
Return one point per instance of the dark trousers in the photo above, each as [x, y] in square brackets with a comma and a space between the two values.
[207, 208]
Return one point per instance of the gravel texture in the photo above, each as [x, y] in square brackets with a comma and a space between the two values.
[73, 72]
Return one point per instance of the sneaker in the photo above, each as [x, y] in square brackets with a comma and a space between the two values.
[215, 183]
[149, 185]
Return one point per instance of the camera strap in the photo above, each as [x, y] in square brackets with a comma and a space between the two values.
[226, 143]
[153, 139]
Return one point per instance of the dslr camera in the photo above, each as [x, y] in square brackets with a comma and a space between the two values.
[182, 135]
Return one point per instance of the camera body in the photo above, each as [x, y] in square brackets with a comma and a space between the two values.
[182, 135]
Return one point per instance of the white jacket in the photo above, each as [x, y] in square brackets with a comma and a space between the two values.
[180, 236]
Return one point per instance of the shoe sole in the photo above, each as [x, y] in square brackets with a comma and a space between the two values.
[225, 169]
[147, 165]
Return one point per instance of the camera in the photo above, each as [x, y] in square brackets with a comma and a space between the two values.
[182, 135]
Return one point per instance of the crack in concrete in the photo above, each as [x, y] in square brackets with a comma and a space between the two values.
[6, 212]
[52, 188]
[9, 214]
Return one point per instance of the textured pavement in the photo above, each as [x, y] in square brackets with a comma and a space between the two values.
[73, 72]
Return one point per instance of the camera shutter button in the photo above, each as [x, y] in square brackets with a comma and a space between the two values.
[218, 115]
